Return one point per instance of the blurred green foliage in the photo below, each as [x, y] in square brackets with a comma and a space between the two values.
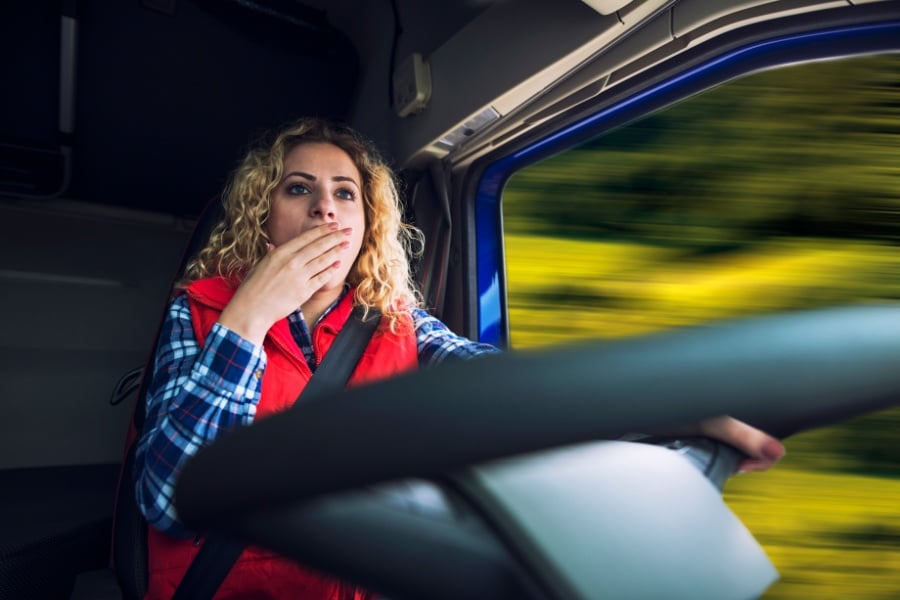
[778, 191]
[808, 150]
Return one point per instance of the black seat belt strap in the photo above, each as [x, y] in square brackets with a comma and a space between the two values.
[208, 569]
[215, 559]
[339, 363]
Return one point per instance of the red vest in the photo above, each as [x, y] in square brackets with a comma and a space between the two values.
[259, 573]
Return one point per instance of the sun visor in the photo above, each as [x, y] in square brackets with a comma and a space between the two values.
[607, 7]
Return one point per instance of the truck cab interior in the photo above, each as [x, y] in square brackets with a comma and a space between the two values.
[123, 121]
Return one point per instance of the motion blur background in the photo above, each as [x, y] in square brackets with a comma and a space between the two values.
[779, 191]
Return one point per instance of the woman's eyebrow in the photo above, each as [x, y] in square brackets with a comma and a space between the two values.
[313, 177]
[345, 178]
[299, 174]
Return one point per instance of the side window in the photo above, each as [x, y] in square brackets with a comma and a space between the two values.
[774, 192]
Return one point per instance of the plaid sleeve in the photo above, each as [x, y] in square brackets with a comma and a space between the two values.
[436, 343]
[196, 392]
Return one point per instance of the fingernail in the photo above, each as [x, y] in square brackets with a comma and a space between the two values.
[348, 231]
[333, 225]
[773, 450]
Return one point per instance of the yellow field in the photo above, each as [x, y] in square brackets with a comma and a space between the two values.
[831, 534]
[622, 289]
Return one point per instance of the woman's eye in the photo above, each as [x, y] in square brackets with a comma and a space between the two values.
[297, 189]
[346, 194]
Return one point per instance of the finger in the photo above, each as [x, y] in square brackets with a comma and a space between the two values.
[337, 240]
[754, 465]
[322, 277]
[323, 261]
[770, 453]
[761, 449]
[305, 238]
[311, 254]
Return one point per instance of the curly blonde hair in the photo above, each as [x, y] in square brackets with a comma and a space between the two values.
[381, 274]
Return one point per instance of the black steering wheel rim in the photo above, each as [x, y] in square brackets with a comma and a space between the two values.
[782, 373]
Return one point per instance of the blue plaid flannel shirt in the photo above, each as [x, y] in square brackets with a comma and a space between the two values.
[198, 391]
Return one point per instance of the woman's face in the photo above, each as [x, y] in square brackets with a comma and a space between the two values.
[321, 184]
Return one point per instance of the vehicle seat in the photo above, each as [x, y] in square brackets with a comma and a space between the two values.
[126, 577]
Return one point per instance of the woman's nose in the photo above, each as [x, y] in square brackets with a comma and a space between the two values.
[323, 206]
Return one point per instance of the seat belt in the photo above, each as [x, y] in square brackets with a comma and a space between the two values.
[215, 559]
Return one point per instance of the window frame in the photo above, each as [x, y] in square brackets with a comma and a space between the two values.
[721, 60]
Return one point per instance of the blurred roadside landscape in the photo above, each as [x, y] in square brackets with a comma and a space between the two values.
[776, 192]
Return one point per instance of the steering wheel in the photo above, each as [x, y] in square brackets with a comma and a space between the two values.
[473, 432]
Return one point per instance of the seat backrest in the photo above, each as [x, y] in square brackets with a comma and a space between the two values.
[129, 531]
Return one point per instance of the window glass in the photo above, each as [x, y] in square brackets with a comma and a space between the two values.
[774, 192]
